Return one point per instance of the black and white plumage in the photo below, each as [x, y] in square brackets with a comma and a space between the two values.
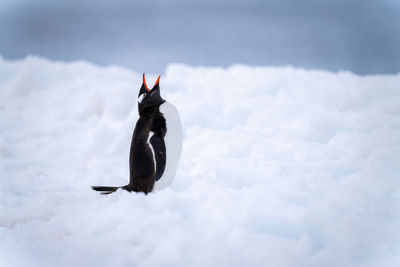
[156, 144]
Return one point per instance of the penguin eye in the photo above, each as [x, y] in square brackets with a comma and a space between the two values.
[140, 98]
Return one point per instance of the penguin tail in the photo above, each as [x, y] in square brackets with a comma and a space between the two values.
[105, 190]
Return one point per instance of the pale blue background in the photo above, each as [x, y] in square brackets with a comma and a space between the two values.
[361, 36]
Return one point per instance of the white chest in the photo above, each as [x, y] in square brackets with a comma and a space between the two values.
[173, 144]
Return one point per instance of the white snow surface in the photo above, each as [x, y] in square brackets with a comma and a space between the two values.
[280, 167]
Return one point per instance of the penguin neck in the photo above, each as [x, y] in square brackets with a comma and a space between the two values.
[151, 109]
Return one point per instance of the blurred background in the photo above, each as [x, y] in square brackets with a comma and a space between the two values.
[360, 36]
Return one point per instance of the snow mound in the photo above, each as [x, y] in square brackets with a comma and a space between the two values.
[280, 167]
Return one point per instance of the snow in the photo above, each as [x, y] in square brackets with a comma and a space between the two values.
[280, 167]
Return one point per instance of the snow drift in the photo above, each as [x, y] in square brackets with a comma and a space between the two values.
[280, 167]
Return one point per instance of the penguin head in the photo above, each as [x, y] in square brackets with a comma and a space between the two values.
[148, 98]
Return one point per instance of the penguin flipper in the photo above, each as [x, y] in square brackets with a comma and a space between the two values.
[160, 156]
[106, 189]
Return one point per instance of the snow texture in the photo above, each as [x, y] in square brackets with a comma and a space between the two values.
[280, 167]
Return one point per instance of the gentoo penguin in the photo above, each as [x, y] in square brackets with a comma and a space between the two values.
[156, 144]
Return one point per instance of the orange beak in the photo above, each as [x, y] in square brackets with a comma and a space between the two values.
[145, 84]
[158, 80]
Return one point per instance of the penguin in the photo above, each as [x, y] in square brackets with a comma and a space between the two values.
[156, 144]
